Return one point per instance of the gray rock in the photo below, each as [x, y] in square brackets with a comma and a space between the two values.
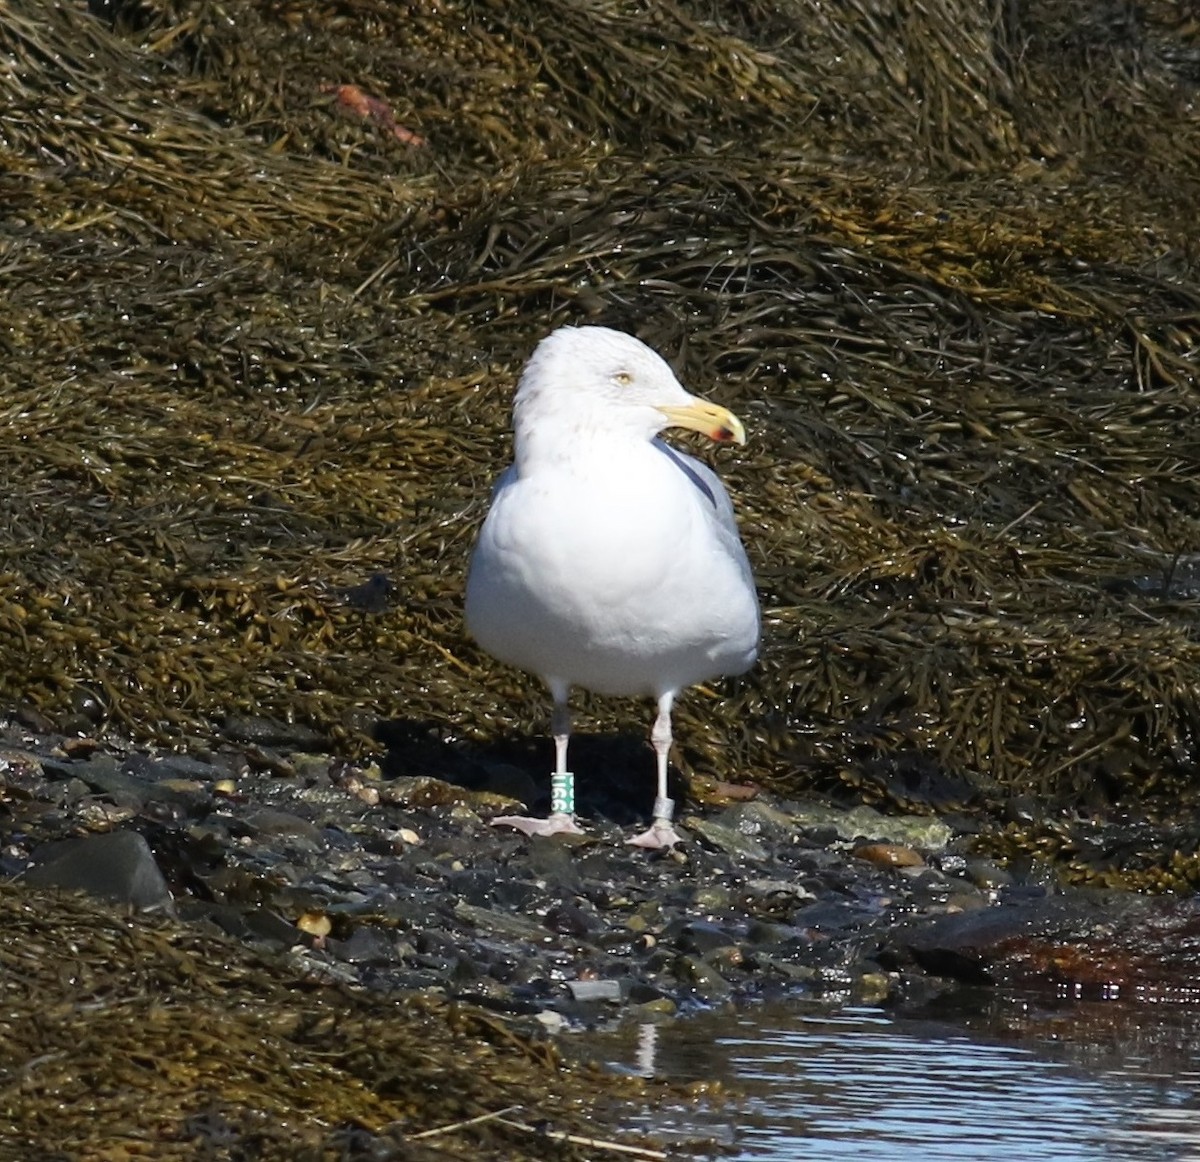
[701, 978]
[595, 990]
[727, 839]
[270, 821]
[761, 819]
[117, 865]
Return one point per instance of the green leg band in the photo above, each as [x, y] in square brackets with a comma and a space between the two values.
[562, 794]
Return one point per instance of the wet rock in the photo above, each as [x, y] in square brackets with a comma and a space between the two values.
[116, 866]
[30, 716]
[1106, 942]
[889, 855]
[781, 893]
[367, 945]
[270, 821]
[761, 818]
[727, 959]
[122, 785]
[727, 839]
[415, 890]
[919, 831]
[874, 987]
[268, 732]
[969, 945]
[79, 748]
[700, 936]
[987, 874]
[553, 862]
[1023, 809]
[712, 897]
[161, 768]
[569, 920]
[499, 922]
[594, 990]
[374, 595]
[701, 978]
[422, 791]
[833, 916]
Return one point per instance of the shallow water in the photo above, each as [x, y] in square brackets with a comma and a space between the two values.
[1067, 1086]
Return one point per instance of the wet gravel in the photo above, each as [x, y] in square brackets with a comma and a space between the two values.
[398, 882]
[402, 883]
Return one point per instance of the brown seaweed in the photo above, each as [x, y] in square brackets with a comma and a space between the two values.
[136, 1038]
[941, 258]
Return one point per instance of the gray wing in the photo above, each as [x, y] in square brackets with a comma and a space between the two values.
[708, 483]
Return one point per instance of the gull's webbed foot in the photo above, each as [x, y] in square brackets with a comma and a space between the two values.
[660, 835]
[558, 823]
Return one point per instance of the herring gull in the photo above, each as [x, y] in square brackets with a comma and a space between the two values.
[608, 559]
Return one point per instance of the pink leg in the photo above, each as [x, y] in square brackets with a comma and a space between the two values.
[562, 791]
[661, 833]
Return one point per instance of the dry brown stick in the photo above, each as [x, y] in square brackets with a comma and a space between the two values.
[576, 1140]
[460, 1125]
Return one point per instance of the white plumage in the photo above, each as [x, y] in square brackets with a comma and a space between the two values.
[609, 559]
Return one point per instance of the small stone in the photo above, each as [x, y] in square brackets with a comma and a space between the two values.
[79, 748]
[551, 1021]
[703, 937]
[989, 876]
[312, 768]
[421, 791]
[874, 987]
[788, 969]
[368, 944]
[659, 1006]
[701, 977]
[568, 919]
[725, 958]
[595, 990]
[182, 786]
[315, 924]
[779, 889]
[264, 732]
[268, 821]
[461, 816]
[889, 855]
[712, 898]
[759, 818]
[98, 815]
[500, 922]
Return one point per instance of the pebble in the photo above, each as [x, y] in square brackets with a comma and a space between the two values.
[889, 855]
[594, 990]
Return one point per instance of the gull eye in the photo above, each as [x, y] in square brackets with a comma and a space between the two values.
[623, 379]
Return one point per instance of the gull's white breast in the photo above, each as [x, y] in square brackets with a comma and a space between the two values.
[623, 574]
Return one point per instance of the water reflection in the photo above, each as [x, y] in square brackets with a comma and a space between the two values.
[822, 1085]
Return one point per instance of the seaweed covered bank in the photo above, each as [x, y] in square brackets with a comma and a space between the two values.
[270, 271]
[261, 349]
